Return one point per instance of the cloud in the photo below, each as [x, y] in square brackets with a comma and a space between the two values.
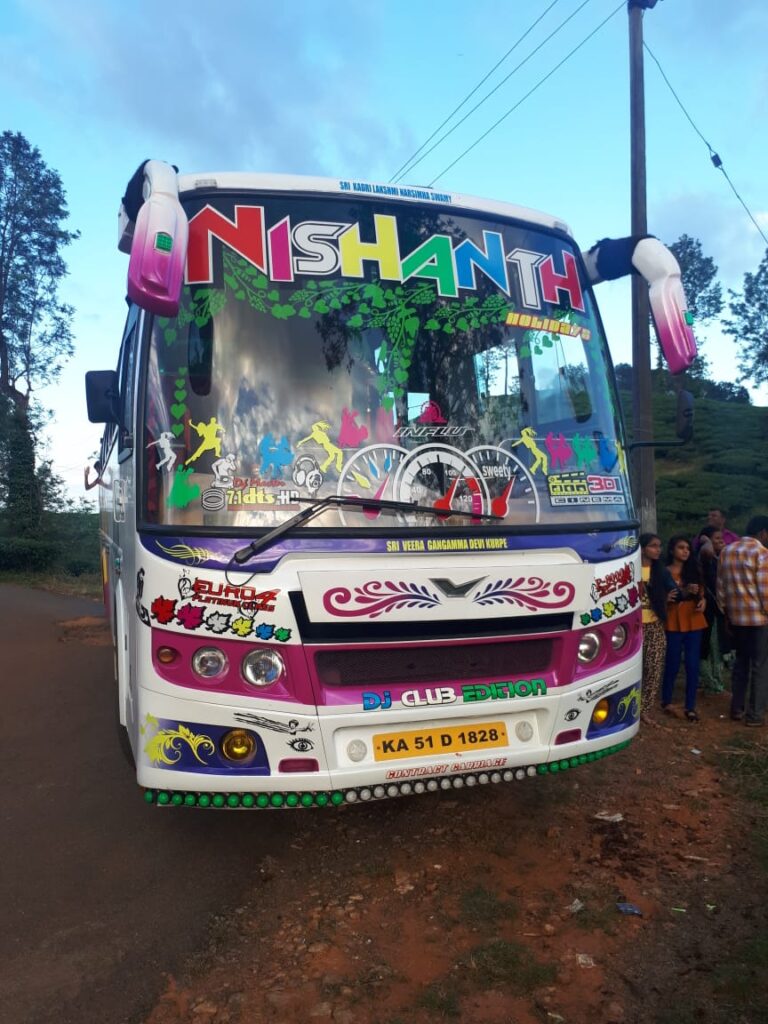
[239, 85]
[720, 223]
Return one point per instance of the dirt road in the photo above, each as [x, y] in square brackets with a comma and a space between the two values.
[629, 891]
[99, 898]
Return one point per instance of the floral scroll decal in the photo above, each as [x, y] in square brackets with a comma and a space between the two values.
[528, 592]
[630, 702]
[165, 746]
[374, 598]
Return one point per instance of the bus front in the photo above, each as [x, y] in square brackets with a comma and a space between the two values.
[385, 534]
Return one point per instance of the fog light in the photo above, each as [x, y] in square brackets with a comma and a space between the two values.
[263, 667]
[166, 655]
[524, 731]
[601, 712]
[238, 745]
[357, 750]
[618, 636]
[209, 662]
[589, 647]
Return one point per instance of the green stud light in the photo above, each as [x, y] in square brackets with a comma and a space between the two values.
[204, 800]
[233, 800]
[565, 765]
[582, 758]
[149, 796]
[163, 797]
[292, 800]
[554, 767]
[574, 762]
[218, 800]
[307, 800]
[277, 799]
[321, 799]
[190, 800]
[542, 769]
[177, 799]
[262, 800]
[249, 800]
[337, 798]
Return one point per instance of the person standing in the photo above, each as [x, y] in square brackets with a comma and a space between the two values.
[742, 593]
[685, 623]
[716, 518]
[713, 643]
[653, 600]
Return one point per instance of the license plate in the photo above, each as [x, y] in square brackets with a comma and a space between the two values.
[448, 740]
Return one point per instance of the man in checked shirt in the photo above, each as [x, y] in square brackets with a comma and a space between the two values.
[742, 593]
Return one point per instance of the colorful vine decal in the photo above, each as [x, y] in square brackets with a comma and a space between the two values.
[395, 310]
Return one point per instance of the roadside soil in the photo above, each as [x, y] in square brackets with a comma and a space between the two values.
[625, 891]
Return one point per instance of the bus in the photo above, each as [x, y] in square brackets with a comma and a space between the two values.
[366, 520]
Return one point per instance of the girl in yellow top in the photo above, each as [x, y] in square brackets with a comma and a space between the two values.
[653, 600]
[685, 623]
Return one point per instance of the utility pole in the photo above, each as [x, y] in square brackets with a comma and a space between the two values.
[643, 476]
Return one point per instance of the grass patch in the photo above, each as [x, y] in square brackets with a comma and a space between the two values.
[479, 906]
[87, 585]
[597, 917]
[509, 964]
[745, 763]
[441, 999]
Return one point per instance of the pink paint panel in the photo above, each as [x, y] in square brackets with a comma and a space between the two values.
[293, 688]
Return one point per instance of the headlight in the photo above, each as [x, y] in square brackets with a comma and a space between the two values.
[263, 667]
[209, 663]
[618, 636]
[589, 647]
[238, 745]
[602, 709]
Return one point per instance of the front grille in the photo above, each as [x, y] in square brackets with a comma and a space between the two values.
[383, 631]
[378, 666]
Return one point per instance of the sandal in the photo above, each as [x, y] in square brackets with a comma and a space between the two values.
[692, 716]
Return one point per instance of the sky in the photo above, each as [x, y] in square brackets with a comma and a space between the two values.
[349, 89]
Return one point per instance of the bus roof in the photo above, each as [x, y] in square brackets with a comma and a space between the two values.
[238, 181]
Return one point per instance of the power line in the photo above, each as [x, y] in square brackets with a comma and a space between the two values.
[530, 92]
[403, 168]
[495, 88]
[713, 156]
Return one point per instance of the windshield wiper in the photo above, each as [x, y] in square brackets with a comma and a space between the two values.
[317, 505]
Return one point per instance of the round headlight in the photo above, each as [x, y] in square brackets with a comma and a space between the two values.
[263, 667]
[209, 663]
[238, 745]
[589, 647]
[599, 715]
[618, 636]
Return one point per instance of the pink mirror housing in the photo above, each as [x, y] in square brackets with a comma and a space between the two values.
[158, 245]
[668, 305]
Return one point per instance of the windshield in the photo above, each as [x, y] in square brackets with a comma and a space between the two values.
[337, 346]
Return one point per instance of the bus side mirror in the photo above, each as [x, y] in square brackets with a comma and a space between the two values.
[671, 316]
[102, 396]
[158, 242]
[684, 428]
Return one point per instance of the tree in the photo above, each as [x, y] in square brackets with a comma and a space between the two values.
[35, 332]
[749, 324]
